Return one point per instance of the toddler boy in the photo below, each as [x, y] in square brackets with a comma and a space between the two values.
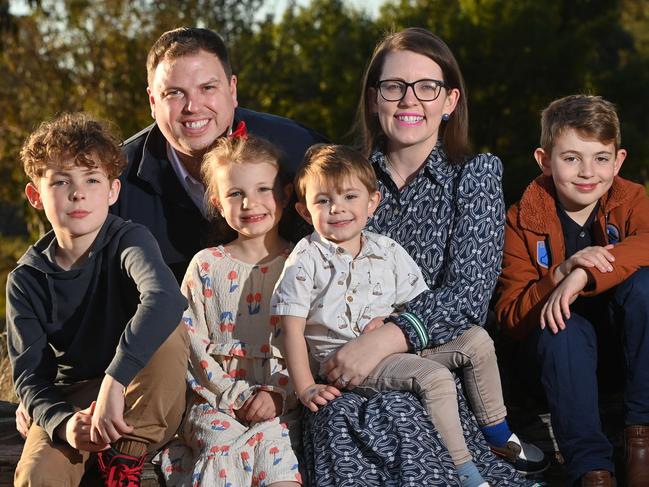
[342, 281]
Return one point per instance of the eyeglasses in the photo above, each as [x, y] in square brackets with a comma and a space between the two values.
[424, 89]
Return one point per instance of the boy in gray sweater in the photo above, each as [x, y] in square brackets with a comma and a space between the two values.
[97, 352]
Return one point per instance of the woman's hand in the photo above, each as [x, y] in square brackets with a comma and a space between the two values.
[374, 324]
[359, 357]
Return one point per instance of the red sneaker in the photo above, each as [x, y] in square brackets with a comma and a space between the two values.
[119, 470]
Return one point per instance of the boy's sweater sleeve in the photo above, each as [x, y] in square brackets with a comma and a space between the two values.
[472, 263]
[224, 392]
[521, 290]
[160, 305]
[32, 360]
[632, 252]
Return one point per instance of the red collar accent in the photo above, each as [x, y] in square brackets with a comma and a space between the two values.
[240, 131]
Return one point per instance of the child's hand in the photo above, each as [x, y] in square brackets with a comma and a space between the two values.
[557, 307]
[108, 423]
[375, 323]
[261, 406]
[76, 431]
[318, 395]
[23, 421]
[595, 256]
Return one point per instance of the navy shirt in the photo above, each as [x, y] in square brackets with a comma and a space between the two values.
[576, 236]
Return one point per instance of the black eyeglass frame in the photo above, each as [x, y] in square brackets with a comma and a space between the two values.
[440, 84]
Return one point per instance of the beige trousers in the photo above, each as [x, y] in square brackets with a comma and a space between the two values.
[429, 376]
[154, 403]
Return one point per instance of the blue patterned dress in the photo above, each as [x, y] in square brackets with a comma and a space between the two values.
[450, 219]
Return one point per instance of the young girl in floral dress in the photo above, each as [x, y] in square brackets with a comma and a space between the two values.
[241, 415]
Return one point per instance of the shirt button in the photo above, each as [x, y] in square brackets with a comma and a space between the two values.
[350, 298]
[582, 234]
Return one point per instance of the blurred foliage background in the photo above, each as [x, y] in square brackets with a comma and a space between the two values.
[306, 63]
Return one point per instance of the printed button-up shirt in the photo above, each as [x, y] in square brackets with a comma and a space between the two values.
[338, 294]
[450, 219]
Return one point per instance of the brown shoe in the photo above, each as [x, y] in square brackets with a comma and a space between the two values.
[598, 478]
[636, 446]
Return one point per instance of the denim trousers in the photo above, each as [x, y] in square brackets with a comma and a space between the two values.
[568, 362]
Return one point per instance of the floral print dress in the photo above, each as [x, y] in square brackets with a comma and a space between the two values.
[234, 353]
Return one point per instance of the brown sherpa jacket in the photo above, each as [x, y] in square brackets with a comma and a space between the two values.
[534, 247]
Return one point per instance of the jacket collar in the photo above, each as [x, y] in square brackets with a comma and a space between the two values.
[154, 165]
[539, 201]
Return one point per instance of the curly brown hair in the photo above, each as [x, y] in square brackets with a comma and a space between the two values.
[72, 139]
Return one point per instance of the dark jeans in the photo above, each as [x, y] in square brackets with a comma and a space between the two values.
[568, 364]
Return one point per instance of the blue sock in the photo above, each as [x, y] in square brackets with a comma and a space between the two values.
[497, 434]
[469, 475]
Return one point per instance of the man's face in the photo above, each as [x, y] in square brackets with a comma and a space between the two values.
[193, 102]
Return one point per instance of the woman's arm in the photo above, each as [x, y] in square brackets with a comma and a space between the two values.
[472, 265]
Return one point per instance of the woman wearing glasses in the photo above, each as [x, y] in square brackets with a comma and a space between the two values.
[446, 208]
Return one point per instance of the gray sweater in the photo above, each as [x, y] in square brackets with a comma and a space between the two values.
[107, 317]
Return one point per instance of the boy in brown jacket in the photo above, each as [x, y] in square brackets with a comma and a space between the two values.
[576, 248]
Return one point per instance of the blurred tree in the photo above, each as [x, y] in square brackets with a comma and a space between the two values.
[308, 65]
[71, 55]
[518, 56]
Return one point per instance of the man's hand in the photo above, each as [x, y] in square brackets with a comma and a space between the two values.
[23, 421]
[108, 423]
[596, 256]
[557, 307]
[76, 431]
[261, 406]
[318, 395]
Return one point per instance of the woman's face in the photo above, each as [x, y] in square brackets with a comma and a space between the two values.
[411, 122]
